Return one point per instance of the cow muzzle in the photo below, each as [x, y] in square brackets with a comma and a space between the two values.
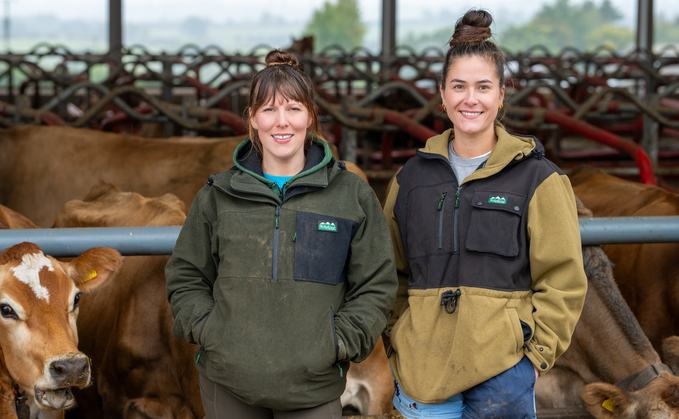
[70, 370]
[62, 373]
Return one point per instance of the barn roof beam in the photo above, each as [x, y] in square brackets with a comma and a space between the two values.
[388, 27]
[645, 26]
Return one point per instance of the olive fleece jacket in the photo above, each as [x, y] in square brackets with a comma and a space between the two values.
[282, 288]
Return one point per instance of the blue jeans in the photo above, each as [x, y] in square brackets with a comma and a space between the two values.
[510, 394]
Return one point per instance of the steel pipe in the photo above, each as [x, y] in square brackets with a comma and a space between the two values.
[136, 241]
[604, 137]
[392, 85]
[70, 242]
[625, 230]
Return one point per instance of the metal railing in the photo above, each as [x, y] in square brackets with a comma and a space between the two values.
[137, 241]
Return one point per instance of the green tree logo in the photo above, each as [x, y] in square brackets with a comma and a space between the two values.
[337, 24]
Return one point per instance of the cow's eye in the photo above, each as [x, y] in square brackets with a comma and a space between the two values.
[8, 312]
[76, 300]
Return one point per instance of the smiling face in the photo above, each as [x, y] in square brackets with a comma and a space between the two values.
[282, 129]
[472, 95]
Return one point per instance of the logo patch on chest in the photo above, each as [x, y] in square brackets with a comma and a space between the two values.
[497, 200]
[327, 226]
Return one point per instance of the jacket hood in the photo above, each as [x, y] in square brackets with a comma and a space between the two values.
[509, 148]
[319, 168]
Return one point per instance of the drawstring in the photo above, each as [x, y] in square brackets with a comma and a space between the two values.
[450, 297]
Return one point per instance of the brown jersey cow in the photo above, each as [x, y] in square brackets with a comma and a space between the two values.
[647, 274]
[42, 168]
[139, 368]
[39, 305]
[13, 220]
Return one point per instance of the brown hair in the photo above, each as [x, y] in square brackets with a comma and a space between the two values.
[281, 76]
[471, 38]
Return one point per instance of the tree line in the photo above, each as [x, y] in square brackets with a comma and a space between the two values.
[559, 24]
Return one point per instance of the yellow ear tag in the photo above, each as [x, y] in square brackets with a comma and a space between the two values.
[609, 405]
[91, 275]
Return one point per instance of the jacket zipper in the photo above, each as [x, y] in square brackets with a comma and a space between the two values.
[441, 206]
[457, 205]
[276, 231]
[445, 161]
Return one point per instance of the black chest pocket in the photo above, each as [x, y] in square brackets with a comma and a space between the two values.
[495, 220]
[430, 215]
[322, 247]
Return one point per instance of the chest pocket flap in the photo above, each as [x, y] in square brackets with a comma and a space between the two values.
[495, 220]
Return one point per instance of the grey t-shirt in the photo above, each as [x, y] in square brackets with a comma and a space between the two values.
[464, 167]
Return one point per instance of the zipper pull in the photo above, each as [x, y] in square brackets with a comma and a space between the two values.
[294, 237]
[278, 213]
[200, 352]
[457, 196]
[443, 196]
[340, 368]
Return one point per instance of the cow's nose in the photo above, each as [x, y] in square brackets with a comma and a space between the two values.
[71, 370]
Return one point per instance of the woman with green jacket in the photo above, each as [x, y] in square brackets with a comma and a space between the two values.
[283, 272]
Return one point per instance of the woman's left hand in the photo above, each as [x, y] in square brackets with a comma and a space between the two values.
[537, 373]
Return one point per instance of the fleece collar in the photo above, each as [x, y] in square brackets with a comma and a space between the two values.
[249, 162]
[509, 147]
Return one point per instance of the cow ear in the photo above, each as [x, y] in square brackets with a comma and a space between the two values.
[670, 350]
[604, 400]
[93, 268]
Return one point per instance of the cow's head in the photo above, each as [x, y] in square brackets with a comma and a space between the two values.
[39, 298]
[659, 399]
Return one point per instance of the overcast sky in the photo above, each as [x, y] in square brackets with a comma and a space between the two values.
[139, 11]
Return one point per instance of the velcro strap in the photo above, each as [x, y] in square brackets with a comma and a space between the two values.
[639, 379]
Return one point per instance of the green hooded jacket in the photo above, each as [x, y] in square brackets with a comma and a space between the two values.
[282, 288]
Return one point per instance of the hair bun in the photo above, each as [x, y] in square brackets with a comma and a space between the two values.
[280, 57]
[474, 26]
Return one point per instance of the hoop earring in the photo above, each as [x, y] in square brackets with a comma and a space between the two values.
[501, 106]
[444, 107]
